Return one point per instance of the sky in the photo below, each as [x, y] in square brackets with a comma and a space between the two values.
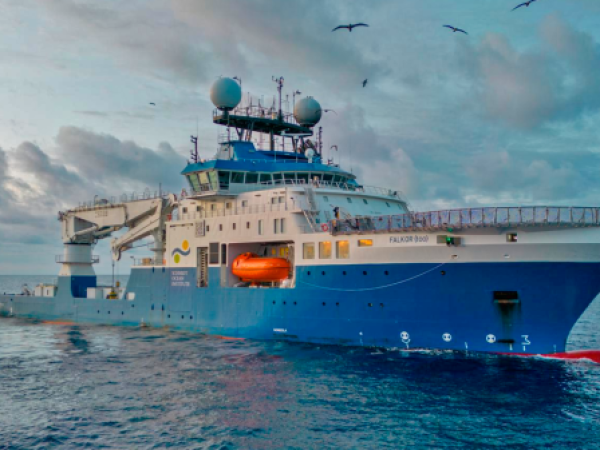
[506, 115]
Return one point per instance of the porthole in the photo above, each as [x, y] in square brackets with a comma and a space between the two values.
[344, 272]
[370, 305]
[443, 272]
[122, 313]
[364, 272]
[308, 273]
[98, 311]
[284, 303]
[295, 303]
[273, 302]
[168, 316]
[183, 317]
[191, 317]
[152, 308]
[109, 312]
[337, 304]
[324, 303]
[323, 273]
[386, 272]
[381, 304]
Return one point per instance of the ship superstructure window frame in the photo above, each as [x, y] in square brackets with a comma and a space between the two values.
[237, 177]
[224, 176]
[349, 199]
[342, 249]
[282, 225]
[251, 177]
[325, 250]
[365, 242]
[277, 178]
[265, 178]
[261, 227]
[308, 250]
[276, 226]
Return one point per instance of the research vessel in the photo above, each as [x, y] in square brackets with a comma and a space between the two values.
[271, 240]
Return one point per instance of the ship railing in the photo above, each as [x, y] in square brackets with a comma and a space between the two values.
[124, 198]
[61, 259]
[280, 145]
[454, 219]
[258, 112]
[239, 188]
[148, 262]
[235, 211]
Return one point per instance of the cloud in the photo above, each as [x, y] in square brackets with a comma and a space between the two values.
[529, 88]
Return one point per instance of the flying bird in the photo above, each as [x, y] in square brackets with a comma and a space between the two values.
[334, 146]
[526, 4]
[153, 104]
[454, 29]
[352, 25]
[327, 110]
[365, 83]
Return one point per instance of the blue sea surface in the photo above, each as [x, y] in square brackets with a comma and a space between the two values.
[79, 386]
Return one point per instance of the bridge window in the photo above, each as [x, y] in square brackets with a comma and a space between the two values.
[289, 176]
[325, 198]
[365, 242]
[244, 203]
[282, 225]
[251, 178]
[260, 227]
[349, 199]
[275, 226]
[328, 177]
[308, 250]
[265, 178]
[212, 177]
[277, 177]
[365, 201]
[342, 249]
[228, 205]
[237, 177]
[303, 178]
[325, 250]
[193, 179]
[223, 179]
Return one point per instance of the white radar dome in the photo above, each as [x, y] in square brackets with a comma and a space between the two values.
[225, 94]
[307, 112]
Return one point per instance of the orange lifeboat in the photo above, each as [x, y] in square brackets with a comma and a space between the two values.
[251, 267]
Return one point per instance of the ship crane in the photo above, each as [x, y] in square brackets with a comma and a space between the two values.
[82, 227]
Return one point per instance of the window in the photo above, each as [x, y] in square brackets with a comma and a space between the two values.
[282, 225]
[365, 201]
[275, 226]
[277, 177]
[325, 250]
[248, 225]
[349, 199]
[198, 208]
[325, 198]
[342, 249]
[399, 206]
[212, 177]
[223, 253]
[234, 225]
[388, 204]
[511, 237]
[327, 177]
[220, 227]
[228, 205]
[244, 203]
[308, 250]
[273, 200]
[265, 178]
[281, 199]
[303, 178]
[365, 242]
[260, 227]
[237, 177]
[207, 228]
[193, 179]
[289, 176]
[213, 253]
[251, 178]
[213, 206]
[184, 210]
[223, 179]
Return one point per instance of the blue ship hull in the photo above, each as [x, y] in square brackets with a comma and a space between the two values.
[424, 305]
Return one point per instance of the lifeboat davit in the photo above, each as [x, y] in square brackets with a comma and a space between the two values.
[253, 268]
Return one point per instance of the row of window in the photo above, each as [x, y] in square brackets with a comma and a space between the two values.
[278, 226]
[213, 180]
[342, 249]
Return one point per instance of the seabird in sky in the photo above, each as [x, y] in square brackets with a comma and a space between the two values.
[527, 3]
[454, 29]
[352, 25]
[365, 82]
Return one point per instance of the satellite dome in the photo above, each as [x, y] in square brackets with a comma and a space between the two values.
[307, 112]
[225, 94]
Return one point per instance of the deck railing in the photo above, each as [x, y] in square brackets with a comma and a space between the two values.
[502, 217]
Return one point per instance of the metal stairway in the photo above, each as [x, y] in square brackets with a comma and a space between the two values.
[311, 212]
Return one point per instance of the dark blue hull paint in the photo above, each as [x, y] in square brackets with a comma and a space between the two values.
[454, 300]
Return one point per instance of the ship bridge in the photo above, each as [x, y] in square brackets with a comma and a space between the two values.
[239, 167]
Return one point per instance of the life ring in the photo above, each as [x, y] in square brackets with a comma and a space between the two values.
[324, 227]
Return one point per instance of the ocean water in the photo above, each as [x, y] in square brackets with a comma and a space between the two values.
[139, 388]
